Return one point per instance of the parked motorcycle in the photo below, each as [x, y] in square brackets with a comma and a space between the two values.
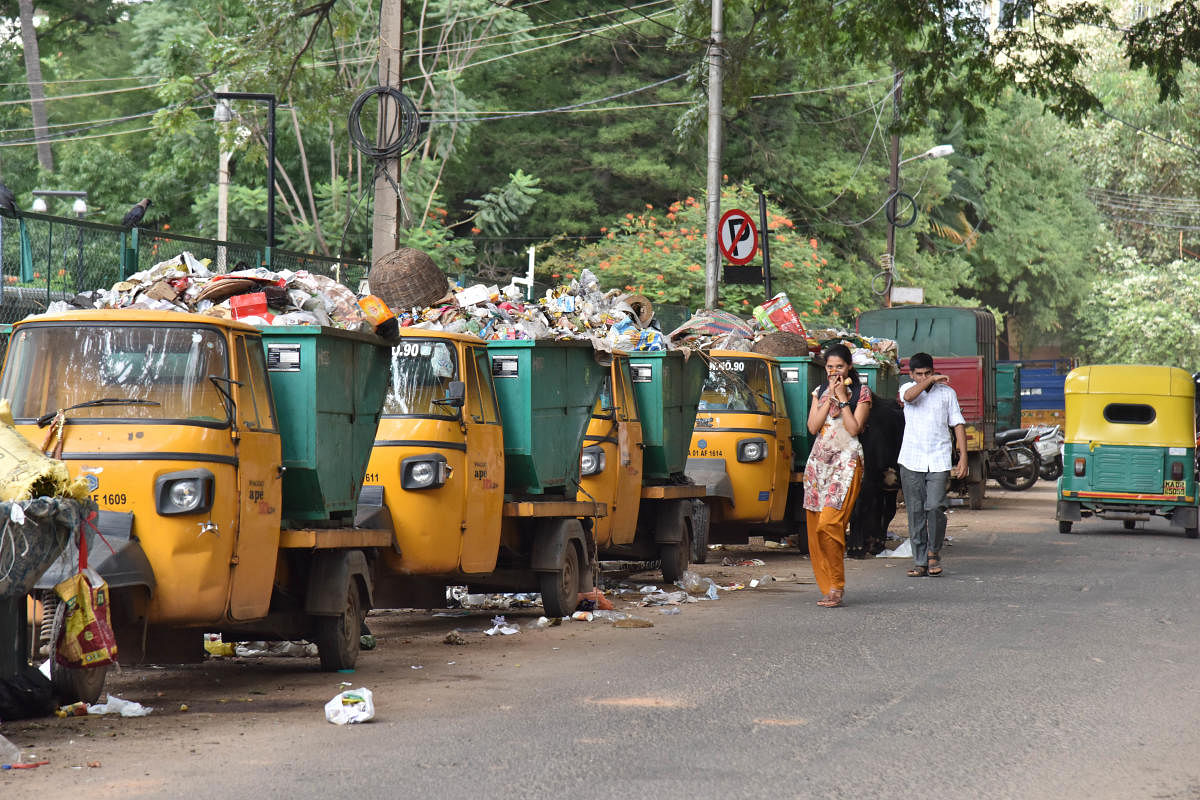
[1014, 462]
[1048, 441]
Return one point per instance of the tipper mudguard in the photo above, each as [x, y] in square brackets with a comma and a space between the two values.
[112, 551]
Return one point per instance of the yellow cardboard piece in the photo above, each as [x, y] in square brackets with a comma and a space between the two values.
[25, 472]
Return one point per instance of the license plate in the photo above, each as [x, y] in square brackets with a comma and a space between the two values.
[1174, 488]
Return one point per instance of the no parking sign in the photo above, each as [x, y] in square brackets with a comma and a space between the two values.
[737, 237]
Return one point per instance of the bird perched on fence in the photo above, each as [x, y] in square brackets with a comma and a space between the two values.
[135, 214]
[8, 200]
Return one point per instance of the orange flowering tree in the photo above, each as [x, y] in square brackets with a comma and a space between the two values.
[660, 253]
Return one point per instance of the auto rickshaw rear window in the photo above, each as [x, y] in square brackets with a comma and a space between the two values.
[157, 373]
[1129, 413]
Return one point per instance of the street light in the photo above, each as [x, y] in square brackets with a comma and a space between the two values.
[938, 151]
[889, 259]
[269, 99]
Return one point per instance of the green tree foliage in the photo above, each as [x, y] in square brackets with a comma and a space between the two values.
[660, 253]
[1138, 313]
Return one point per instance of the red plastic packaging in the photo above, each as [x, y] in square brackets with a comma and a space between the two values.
[248, 305]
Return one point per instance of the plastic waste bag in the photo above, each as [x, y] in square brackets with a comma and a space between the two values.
[903, 551]
[85, 638]
[350, 706]
[117, 705]
[502, 626]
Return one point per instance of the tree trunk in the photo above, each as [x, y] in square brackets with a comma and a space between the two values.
[33, 76]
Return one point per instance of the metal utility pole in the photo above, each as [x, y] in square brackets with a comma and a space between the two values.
[712, 254]
[385, 225]
[893, 187]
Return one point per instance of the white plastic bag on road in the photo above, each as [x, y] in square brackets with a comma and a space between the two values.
[116, 705]
[352, 705]
[903, 551]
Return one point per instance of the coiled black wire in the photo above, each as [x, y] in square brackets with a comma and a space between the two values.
[399, 135]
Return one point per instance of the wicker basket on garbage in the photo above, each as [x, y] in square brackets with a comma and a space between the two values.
[407, 278]
[781, 343]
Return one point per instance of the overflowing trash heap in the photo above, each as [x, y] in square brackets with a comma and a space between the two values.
[408, 287]
[776, 330]
[578, 310]
[258, 296]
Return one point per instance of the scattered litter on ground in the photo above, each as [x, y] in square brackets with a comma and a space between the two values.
[76, 709]
[594, 600]
[502, 626]
[116, 705]
[297, 649]
[582, 616]
[745, 562]
[351, 706]
[756, 582]
[9, 752]
[547, 622]
[904, 550]
[670, 610]
[454, 637]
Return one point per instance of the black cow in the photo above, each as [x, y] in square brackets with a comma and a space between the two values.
[876, 505]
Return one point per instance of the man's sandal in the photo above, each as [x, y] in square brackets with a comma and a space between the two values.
[918, 572]
[935, 565]
[833, 600]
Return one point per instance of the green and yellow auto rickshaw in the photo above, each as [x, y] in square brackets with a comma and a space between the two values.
[1130, 445]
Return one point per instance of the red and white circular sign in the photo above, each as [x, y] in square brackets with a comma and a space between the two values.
[737, 237]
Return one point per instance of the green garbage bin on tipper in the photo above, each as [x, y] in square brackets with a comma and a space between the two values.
[328, 385]
[666, 388]
[800, 376]
[883, 379]
[546, 391]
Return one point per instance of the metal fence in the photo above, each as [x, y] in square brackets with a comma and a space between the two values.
[44, 258]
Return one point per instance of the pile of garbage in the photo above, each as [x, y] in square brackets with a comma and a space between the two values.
[578, 310]
[254, 295]
[776, 330]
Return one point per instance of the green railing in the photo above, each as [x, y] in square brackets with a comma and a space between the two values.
[44, 258]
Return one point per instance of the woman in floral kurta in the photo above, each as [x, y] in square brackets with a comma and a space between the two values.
[834, 471]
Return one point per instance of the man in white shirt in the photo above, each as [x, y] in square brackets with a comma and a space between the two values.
[931, 410]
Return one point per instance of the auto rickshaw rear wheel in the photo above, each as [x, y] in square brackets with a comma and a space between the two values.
[560, 588]
[338, 637]
[1064, 526]
[1129, 524]
[676, 557]
[1192, 533]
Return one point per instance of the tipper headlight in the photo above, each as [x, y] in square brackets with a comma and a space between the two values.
[186, 492]
[424, 472]
[591, 460]
[750, 450]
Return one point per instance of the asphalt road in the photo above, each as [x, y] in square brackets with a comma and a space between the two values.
[1039, 665]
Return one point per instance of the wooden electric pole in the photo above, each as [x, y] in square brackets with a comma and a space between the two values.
[385, 226]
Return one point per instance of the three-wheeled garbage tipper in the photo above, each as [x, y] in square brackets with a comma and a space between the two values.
[227, 462]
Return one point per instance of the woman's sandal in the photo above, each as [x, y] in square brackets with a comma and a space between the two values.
[832, 600]
[918, 572]
[935, 565]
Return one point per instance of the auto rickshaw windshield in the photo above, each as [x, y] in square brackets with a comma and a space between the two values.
[737, 384]
[421, 374]
[163, 370]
